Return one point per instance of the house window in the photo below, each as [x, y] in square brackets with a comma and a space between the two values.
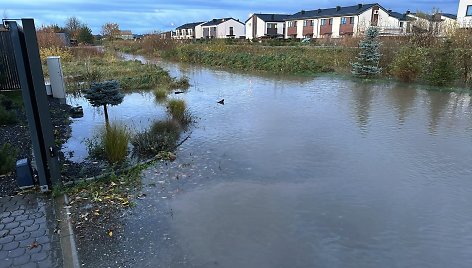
[401, 24]
[305, 23]
[469, 11]
[231, 31]
[271, 25]
[343, 20]
[312, 23]
[330, 21]
[323, 22]
[351, 20]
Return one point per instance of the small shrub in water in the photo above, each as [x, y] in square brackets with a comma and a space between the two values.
[114, 139]
[178, 110]
[7, 158]
[160, 94]
[162, 136]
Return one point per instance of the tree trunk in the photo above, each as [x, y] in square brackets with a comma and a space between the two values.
[107, 122]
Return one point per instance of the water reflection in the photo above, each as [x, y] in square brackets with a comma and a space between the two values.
[403, 99]
[437, 103]
[362, 97]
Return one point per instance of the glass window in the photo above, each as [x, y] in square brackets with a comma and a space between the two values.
[401, 24]
[330, 21]
[305, 23]
[323, 22]
[469, 11]
[343, 20]
[351, 20]
[312, 22]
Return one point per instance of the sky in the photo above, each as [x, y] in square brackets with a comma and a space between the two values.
[146, 16]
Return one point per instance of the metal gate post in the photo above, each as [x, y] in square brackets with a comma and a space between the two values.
[35, 100]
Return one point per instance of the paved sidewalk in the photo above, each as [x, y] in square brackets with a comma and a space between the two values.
[27, 237]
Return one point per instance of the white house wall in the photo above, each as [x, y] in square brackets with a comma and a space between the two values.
[222, 29]
[198, 32]
[463, 20]
[260, 30]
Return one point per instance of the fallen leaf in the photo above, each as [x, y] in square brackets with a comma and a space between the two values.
[110, 233]
[33, 245]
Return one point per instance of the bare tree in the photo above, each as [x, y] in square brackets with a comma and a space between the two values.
[73, 26]
[110, 30]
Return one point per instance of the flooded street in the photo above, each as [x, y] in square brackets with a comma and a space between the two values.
[303, 172]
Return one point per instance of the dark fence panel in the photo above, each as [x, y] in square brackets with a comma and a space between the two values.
[9, 79]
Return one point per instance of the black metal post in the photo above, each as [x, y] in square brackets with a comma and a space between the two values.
[31, 78]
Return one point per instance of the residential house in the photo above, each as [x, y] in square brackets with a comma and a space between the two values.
[166, 35]
[464, 14]
[187, 31]
[126, 35]
[336, 22]
[397, 24]
[265, 26]
[436, 24]
[223, 28]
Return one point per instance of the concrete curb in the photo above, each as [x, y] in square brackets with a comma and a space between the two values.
[67, 238]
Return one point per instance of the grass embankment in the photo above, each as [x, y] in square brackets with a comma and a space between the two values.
[82, 66]
[248, 57]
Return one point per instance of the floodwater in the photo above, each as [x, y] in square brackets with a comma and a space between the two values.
[306, 172]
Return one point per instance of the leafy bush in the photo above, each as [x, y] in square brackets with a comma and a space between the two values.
[162, 136]
[115, 139]
[408, 63]
[7, 158]
[46, 52]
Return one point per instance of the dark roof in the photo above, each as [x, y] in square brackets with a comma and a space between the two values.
[400, 16]
[332, 12]
[214, 22]
[433, 17]
[451, 16]
[272, 17]
[189, 25]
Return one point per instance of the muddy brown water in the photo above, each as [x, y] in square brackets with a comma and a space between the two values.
[303, 172]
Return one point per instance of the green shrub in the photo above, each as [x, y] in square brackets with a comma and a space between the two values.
[7, 158]
[7, 114]
[161, 136]
[442, 69]
[115, 139]
[408, 64]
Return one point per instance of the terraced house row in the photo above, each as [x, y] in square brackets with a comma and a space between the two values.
[333, 22]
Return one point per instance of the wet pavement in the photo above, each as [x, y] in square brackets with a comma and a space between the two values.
[27, 232]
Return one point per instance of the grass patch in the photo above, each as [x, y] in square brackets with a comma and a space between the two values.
[111, 144]
[7, 158]
[161, 94]
[179, 112]
[162, 136]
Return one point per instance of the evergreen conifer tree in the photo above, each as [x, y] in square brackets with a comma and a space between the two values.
[103, 94]
[367, 64]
